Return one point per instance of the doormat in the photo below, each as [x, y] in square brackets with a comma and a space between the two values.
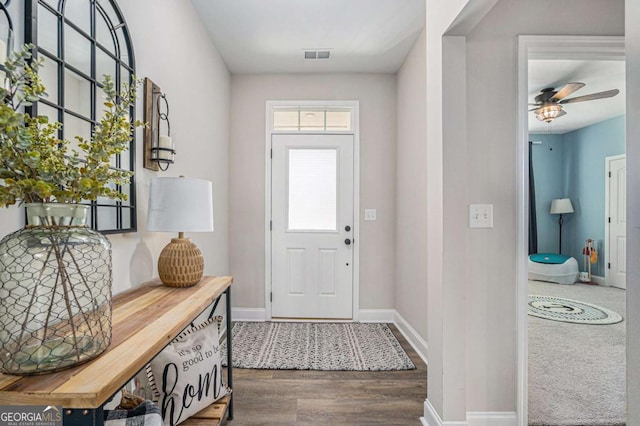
[317, 346]
[567, 310]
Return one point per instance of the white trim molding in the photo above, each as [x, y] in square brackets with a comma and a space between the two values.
[376, 315]
[497, 418]
[412, 336]
[355, 131]
[432, 418]
[248, 314]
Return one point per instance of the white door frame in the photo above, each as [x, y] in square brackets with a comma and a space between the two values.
[541, 47]
[355, 120]
[607, 245]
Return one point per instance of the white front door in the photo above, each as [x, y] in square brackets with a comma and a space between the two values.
[312, 226]
[616, 273]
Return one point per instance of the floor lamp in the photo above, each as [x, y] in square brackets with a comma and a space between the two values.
[561, 206]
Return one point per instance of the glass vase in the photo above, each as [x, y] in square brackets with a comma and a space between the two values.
[55, 291]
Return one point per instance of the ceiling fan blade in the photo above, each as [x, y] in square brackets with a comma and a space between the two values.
[591, 97]
[566, 90]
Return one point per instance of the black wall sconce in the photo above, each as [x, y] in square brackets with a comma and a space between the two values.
[5, 43]
[159, 150]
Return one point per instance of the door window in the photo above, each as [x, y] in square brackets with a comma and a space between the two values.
[312, 192]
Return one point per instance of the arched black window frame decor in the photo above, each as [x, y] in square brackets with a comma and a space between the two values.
[107, 216]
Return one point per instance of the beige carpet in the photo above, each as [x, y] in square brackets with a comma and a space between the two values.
[577, 371]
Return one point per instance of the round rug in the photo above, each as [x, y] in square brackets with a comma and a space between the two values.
[567, 310]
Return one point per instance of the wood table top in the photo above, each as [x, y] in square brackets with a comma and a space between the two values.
[145, 319]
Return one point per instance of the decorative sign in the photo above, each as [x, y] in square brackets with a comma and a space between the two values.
[186, 376]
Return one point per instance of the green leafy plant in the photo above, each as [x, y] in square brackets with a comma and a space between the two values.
[38, 167]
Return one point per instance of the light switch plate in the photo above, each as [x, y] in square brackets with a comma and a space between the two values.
[370, 214]
[480, 215]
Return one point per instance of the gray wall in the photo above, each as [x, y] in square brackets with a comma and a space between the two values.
[442, 402]
[377, 96]
[491, 177]
[199, 125]
[486, 288]
[411, 190]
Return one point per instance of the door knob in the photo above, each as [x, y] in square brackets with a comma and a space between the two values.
[347, 241]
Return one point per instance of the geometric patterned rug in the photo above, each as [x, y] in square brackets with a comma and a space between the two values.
[317, 346]
[567, 310]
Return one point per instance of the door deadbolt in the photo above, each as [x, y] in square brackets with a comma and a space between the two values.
[347, 228]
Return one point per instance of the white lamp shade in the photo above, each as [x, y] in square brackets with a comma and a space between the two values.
[180, 204]
[561, 206]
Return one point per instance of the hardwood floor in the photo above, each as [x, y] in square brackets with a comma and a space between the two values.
[302, 397]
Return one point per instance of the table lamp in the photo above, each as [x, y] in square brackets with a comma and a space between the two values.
[561, 206]
[180, 204]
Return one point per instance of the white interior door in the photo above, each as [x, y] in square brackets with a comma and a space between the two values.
[312, 226]
[617, 223]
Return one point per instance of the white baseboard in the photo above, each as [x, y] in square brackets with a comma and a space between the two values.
[598, 280]
[248, 314]
[376, 315]
[432, 418]
[496, 418]
[412, 336]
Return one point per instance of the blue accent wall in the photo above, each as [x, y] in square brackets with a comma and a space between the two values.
[572, 166]
[585, 152]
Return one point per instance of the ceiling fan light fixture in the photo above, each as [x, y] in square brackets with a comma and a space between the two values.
[548, 113]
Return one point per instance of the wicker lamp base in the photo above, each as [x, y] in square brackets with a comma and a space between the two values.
[180, 263]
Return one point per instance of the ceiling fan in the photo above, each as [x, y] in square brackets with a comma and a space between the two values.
[548, 105]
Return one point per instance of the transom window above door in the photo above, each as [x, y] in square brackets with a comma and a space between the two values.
[312, 119]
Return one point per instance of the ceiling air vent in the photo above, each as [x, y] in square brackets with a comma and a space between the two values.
[317, 54]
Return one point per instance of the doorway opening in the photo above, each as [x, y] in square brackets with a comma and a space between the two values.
[560, 48]
[311, 205]
[616, 221]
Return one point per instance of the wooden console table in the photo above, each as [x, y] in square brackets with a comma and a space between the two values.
[145, 319]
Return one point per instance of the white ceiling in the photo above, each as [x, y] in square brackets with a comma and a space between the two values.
[598, 77]
[258, 36]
